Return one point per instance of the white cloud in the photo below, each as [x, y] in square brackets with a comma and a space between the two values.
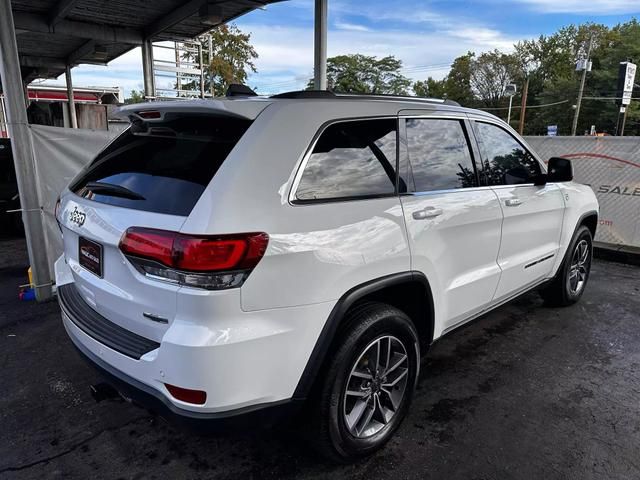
[486, 38]
[124, 72]
[286, 53]
[596, 7]
[425, 41]
[390, 10]
[351, 26]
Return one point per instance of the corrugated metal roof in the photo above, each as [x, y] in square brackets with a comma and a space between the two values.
[54, 33]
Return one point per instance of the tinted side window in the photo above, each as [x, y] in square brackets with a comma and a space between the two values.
[439, 155]
[504, 159]
[351, 159]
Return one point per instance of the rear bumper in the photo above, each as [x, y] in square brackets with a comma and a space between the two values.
[264, 415]
[248, 363]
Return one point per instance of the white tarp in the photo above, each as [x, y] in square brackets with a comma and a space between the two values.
[60, 153]
[611, 166]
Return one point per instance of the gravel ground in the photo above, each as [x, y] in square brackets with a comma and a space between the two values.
[524, 392]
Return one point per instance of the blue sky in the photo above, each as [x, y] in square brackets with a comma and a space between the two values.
[425, 35]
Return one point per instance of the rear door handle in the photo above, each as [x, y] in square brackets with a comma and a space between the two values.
[425, 213]
[513, 202]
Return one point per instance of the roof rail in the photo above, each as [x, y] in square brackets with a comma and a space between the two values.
[399, 97]
[306, 94]
[365, 96]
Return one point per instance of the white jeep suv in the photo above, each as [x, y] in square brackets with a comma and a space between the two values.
[227, 260]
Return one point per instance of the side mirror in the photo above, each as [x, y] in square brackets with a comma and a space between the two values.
[560, 170]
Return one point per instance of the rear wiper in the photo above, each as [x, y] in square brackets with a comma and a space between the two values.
[113, 190]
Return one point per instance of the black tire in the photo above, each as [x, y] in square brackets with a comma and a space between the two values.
[559, 293]
[365, 326]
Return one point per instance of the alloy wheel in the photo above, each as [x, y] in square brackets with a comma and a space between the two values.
[579, 268]
[376, 386]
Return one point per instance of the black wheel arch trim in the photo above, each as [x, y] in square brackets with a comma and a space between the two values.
[579, 223]
[328, 333]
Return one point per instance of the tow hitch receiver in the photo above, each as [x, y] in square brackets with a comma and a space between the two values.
[103, 391]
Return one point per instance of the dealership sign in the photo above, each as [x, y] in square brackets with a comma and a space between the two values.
[626, 79]
[611, 166]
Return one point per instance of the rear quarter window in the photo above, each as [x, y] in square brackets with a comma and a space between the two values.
[161, 166]
[350, 160]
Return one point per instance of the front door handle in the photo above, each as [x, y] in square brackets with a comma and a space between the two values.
[513, 202]
[425, 213]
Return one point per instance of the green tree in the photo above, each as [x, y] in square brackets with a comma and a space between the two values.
[135, 96]
[358, 73]
[549, 63]
[491, 72]
[457, 84]
[430, 88]
[231, 60]
[618, 44]
[552, 77]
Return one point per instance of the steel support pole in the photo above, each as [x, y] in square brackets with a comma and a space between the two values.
[209, 57]
[320, 46]
[624, 121]
[509, 114]
[71, 101]
[200, 61]
[147, 70]
[23, 153]
[178, 76]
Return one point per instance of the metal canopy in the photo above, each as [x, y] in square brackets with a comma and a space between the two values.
[45, 38]
[52, 34]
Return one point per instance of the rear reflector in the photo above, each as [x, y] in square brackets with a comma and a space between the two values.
[197, 397]
[213, 262]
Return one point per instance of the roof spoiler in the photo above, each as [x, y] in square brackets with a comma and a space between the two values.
[239, 90]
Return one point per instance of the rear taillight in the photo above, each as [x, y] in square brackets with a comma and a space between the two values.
[211, 262]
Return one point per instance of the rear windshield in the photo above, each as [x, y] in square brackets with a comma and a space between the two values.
[161, 167]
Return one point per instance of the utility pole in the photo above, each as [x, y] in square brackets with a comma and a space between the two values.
[585, 68]
[523, 110]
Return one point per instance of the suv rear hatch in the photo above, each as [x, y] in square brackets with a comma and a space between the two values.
[151, 176]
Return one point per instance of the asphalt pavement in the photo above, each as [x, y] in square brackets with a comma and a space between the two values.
[526, 392]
